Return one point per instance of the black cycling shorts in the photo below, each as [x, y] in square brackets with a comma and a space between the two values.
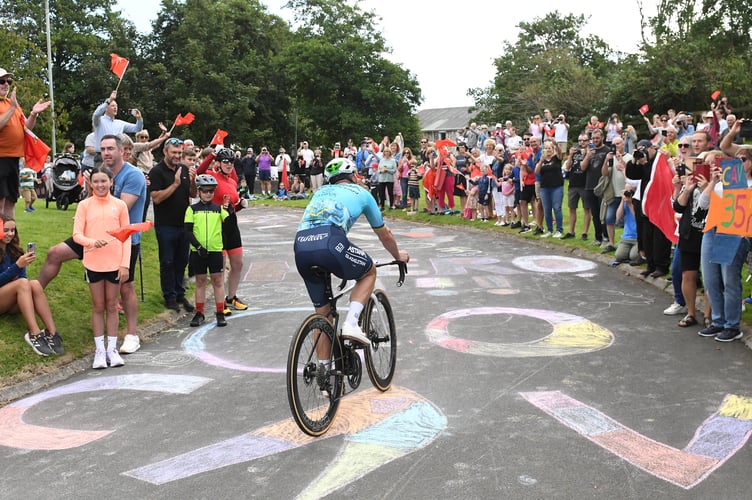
[328, 247]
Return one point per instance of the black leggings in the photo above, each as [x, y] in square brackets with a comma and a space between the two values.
[384, 188]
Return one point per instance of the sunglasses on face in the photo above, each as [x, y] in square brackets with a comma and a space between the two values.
[3, 81]
[225, 161]
[174, 142]
[743, 158]
[206, 190]
[683, 145]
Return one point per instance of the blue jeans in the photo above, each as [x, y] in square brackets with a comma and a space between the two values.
[403, 187]
[676, 278]
[551, 199]
[173, 259]
[723, 283]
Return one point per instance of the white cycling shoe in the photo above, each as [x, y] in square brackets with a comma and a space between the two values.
[355, 334]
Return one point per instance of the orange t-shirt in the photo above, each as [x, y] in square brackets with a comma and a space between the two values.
[94, 217]
[12, 134]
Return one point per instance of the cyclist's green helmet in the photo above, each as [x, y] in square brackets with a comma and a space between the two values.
[338, 166]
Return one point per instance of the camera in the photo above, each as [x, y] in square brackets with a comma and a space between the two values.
[628, 193]
[664, 132]
[639, 154]
[746, 128]
[612, 149]
[681, 170]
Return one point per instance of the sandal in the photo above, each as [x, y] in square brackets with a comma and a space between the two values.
[687, 320]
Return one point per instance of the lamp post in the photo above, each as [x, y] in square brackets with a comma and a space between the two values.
[49, 73]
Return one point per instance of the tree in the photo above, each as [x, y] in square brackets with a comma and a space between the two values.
[83, 33]
[550, 66]
[218, 60]
[343, 85]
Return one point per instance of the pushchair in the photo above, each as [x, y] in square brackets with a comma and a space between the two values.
[63, 182]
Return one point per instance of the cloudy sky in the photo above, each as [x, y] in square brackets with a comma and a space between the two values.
[421, 33]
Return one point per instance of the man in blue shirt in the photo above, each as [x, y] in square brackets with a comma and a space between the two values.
[105, 123]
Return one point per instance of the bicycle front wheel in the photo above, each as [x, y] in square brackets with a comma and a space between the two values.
[314, 383]
[378, 325]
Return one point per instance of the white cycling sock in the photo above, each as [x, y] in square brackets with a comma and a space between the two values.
[99, 342]
[111, 343]
[353, 314]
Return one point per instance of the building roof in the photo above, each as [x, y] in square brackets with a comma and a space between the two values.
[442, 119]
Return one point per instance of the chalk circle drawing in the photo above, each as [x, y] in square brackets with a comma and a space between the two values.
[196, 347]
[15, 433]
[571, 334]
[715, 441]
[167, 358]
[378, 428]
[553, 264]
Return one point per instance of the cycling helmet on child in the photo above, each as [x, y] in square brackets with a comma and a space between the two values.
[338, 167]
[206, 181]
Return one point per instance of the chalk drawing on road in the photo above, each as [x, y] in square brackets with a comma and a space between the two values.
[267, 270]
[716, 440]
[15, 433]
[571, 334]
[170, 359]
[378, 428]
[553, 264]
[195, 345]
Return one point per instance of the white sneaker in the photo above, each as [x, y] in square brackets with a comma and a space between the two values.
[558, 234]
[115, 359]
[354, 333]
[100, 360]
[674, 310]
[131, 344]
[546, 234]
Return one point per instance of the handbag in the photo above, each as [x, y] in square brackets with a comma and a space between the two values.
[604, 183]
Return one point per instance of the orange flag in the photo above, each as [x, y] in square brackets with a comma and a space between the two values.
[184, 120]
[35, 151]
[644, 109]
[285, 180]
[715, 95]
[118, 65]
[124, 232]
[219, 138]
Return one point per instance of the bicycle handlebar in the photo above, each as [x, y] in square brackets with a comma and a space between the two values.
[402, 272]
[402, 269]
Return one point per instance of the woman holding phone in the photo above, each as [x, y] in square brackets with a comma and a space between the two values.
[19, 294]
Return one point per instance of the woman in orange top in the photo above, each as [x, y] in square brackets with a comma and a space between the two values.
[106, 261]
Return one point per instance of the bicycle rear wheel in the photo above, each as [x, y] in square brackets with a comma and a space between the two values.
[378, 325]
[314, 386]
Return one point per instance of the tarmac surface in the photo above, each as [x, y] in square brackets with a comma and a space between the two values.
[523, 372]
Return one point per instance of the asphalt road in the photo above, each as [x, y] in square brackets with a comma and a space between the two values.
[523, 372]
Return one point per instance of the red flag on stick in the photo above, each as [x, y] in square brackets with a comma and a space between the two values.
[656, 200]
[124, 232]
[184, 120]
[118, 65]
[219, 138]
[715, 95]
[285, 180]
[644, 109]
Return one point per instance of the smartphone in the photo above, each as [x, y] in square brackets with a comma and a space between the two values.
[701, 169]
[591, 146]
[31, 247]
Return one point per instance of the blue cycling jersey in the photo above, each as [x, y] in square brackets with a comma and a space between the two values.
[340, 205]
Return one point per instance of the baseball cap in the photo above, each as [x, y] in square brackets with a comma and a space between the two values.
[644, 144]
[4, 73]
[498, 125]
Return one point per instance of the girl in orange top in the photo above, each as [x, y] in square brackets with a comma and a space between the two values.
[106, 260]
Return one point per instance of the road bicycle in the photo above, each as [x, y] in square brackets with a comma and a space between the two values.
[315, 385]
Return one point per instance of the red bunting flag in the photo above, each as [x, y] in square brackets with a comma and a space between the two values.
[219, 138]
[656, 200]
[644, 109]
[125, 232]
[285, 180]
[118, 65]
[35, 151]
[184, 120]
[715, 95]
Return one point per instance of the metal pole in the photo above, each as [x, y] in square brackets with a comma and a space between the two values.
[49, 74]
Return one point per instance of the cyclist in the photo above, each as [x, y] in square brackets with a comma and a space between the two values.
[322, 241]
